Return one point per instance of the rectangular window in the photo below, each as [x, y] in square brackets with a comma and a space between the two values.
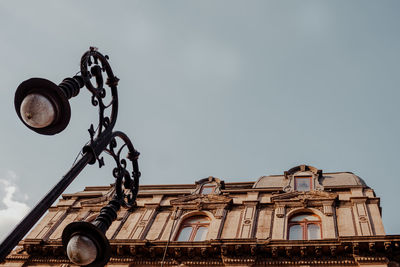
[302, 183]
[208, 189]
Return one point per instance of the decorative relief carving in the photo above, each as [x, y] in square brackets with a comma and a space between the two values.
[219, 185]
[304, 202]
[253, 250]
[333, 250]
[318, 251]
[328, 209]
[303, 251]
[356, 248]
[238, 249]
[311, 195]
[310, 171]
[178, 252]
[323, 201]
[190, 252]
[152, 252]
[218, 213]
[288, 188]
[133, 250]
[321, 209]
[363, 219]
[288, 251]
[372, 247]
[280, 211]
[201, 202]
[204, 252]
[291, 208]
[178, 213]
[224, 250]
[388, 247]
[199, 206]
[324, 253]
[274, 252]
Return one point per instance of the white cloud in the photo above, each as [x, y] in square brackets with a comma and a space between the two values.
[11, 211]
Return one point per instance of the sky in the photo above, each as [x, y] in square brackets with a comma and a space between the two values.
[231, 89]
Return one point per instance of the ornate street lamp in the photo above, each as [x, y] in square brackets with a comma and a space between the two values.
[44, 108]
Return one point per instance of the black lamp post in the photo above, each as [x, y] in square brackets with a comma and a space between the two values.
[44, 108]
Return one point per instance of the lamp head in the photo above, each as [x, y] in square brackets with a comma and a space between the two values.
[42, 106]
[85, 244]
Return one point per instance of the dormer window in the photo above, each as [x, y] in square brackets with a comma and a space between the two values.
[303, 178]
[208, 189]
[302, 183]
[207, 186]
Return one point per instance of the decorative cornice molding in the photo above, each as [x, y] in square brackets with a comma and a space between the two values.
[233, 251]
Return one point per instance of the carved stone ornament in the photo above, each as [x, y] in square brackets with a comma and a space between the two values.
[219, 213]
[253, 250]
[321, 200]
[213, 181]
[333, 250]
[321, 209]
[303, 251]
[315, 173]
[280, 211]
[328, 208]
[310, 195]
[274, 252]
[288, 251]
[201, 202]
[356, 248]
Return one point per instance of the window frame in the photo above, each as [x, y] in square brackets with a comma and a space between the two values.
[304, 225]
[195, 227]
[208, 185]
[296, 178]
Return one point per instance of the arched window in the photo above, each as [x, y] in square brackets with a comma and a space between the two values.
[306, 226]
[193, 229]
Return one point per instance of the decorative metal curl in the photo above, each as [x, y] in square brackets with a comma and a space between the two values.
[102, 138]
[93, 66]
[127, 182]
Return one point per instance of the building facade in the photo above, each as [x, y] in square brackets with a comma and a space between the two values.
[302, 218]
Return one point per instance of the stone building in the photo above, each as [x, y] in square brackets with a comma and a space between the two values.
[304, 217]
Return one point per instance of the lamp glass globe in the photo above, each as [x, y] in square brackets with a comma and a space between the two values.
[81, 250]
[37, 111]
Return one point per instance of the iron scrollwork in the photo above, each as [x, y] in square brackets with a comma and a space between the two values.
[94, 67]
[102, 138]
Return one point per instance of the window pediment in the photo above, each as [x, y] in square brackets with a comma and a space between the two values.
[303, 178]
[298, 196]
[205, 201]
[209, 186]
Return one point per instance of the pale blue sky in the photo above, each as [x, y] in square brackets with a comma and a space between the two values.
[232, 89]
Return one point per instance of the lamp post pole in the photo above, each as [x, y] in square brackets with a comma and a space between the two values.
[44, 108]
